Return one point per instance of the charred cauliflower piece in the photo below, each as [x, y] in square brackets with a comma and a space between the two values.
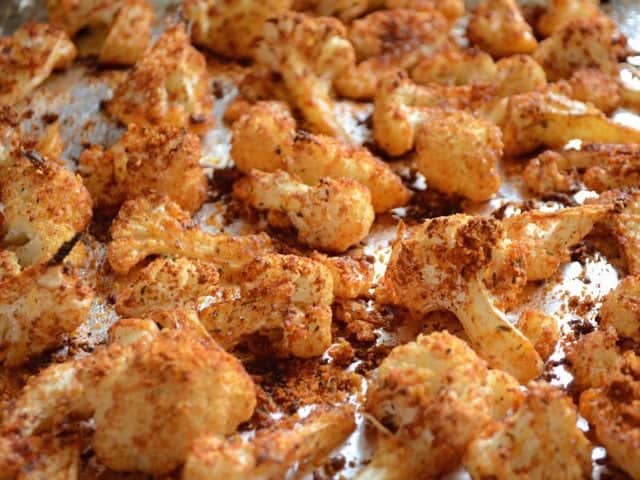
[271, 453]
[264, 139]
[441, 265]
[164, 159]
[283, 297]
[44, 205]
[333, 215]
[498, 27]
[434, 394]
[580, 44]
[38, 308]
[593, 357]
[229, 27]
[540, 441]
[561, 12]
[28, 57]
[168, 284]
[199, 388]
[155, 225]
[309, 53]
[168, 86]
[129, 35]
[614, 411]
[621, 308]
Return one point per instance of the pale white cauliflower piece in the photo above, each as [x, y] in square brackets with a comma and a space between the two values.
[333, 215]
[540, 441]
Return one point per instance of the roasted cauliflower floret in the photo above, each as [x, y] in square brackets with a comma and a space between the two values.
[164, 159]
[545, 174]
[44, 205]
[168, 284]
[283, 297]
[352, 277]
[459, 154]
[72, 15]
[441, 265]
[271, 453]
[333, 215]
[38, 308]
[264, 139]
[155, 225]
[309, 53]
[621, 308]
[451, 65]
[580, 44]
[9, 264]
[598, 88]
[540, 441]
[518, 74]
[28, 57]
[593, 357]
[229, 27]
[434, 395]
[625, 226]
[168, 86]
[561, 12]
[542, 329]
[498, 27]
[129, 35]
[614, 411]
[199, 388]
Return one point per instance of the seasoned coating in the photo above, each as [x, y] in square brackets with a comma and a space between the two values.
[168, 284]
[45, 205]
[38, 308]
[593, 357]
[72, 15]
[271, 453]
[199, 388]
[352, 277]
[548, 236]
[434, 394]
[580, 44]
[229, 27]
[542, 329]
[614, 411]
[28, 57]
[309, 53]
[545, 174]
[540, 441]
[549, 118]
[386, 41]
[441, 265]
[155, 225]
[459, 154]
[498, 27]
[164, 159]
[333, 215]
[129, 35]
[625, 226]
[285, 298]
[621, 308]
[598, 88]
[561, 12]
[264, 138]
[169, 85]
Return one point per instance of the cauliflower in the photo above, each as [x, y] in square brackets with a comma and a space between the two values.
[451, 65]
[168, 86]
[579, 44]
[310, 157]
[271, 453]
[540, 441]
[283, 297]
[164, 159]
[550, 118]
[44, 205]
[155, 225]
[309, 53]
[28, 57]
[593, 357]
[167, 284]
[542, 329]
[433, 395]
[518, 74]
[546, 173]
[199, 389]
[561, 12]
[129, 35]
[333, 215]
[73, 15]
[388, 40]
[229, 27]
[441, 265]
[597, 88]
[614, 412]
[9, 265]
[459, 154]
[625, 225]
[621, 309]
[352, 277]
[498, 27]
[38, 308]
